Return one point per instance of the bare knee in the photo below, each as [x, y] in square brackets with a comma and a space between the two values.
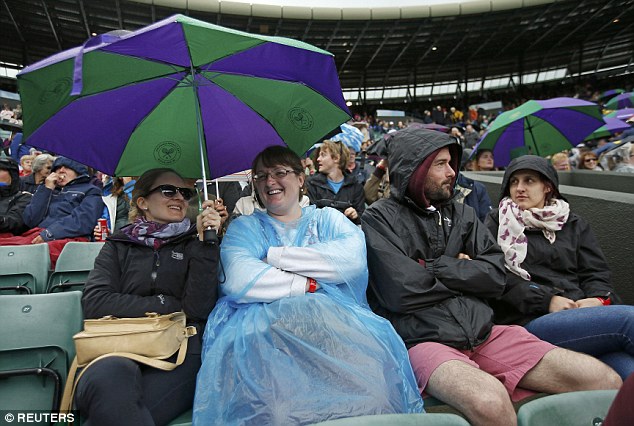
[491, 408]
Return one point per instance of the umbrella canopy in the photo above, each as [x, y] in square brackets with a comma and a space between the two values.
[621, 114]
[181, 93]
[624, 100]
[540, 127]
[611, 93]
[350, 136]
[611, 126]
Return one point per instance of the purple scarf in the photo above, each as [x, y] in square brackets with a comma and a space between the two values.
[155, 234]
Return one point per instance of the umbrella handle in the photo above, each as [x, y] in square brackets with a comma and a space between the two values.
[210, 236]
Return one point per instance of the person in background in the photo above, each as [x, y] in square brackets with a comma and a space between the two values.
[589, 161]
[484, 161]
[433, 267]
[334, 183]
[292, 340]
[561, 162]
[158, 263]
[117, 202]
[65, 208]
[41, 167]
[558, 283]
[26, 163]
[12, 200]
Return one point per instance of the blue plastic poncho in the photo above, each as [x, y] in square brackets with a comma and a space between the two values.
[301, 358]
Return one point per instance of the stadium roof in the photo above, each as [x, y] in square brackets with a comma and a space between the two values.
[374, 47]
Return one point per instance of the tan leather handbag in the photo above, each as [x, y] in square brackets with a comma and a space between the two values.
[147, 340]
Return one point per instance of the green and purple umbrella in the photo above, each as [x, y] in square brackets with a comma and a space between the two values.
[181, 93]
[611, 126]
[624, 100]
[540, 127]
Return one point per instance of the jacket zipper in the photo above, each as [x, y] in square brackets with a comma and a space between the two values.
[157, 263]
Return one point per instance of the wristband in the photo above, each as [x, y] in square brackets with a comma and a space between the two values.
[604, 302]
[312, 285]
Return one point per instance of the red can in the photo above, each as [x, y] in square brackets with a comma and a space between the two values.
[102, 232]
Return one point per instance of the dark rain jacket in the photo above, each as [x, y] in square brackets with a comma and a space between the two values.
[573, 266]
[350, 194]
[12, 202]
[416, 280]
[68, 212]
[131, 278]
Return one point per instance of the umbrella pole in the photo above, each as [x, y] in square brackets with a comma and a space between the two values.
[208, 234]
[530, 130]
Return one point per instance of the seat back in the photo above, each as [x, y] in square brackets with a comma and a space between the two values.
[36, 348]
[74, 264]
[24, 266]
[427, 419]
[567, 409]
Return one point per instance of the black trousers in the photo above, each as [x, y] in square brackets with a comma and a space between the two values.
[119, 391]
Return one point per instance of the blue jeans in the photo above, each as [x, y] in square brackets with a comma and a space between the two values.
[605, 332]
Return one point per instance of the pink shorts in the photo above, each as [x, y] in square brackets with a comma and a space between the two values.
[508, 354]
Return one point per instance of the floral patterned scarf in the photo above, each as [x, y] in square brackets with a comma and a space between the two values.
[155, 234]
[513, 221]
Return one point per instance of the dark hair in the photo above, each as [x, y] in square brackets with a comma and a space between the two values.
[277, 155]
[142, 188]
[553, 193]
[582, 159]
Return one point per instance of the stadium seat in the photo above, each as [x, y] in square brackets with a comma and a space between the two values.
[24, 269]
[36, 348]
[428, 419]
[74, 264]
[184, 419]
[567, 409]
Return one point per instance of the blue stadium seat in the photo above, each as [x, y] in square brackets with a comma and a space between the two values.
[24, 269]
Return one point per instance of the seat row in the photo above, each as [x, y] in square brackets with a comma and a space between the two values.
[36, 349]
[27, 269]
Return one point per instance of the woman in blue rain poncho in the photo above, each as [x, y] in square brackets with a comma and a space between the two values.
[292, 341]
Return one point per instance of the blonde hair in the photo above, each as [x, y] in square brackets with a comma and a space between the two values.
[336, 148]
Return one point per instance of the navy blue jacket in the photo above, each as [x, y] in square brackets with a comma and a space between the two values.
[68, 212]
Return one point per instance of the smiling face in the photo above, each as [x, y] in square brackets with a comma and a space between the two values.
[280, 194]
[528, 190]
[156, 207]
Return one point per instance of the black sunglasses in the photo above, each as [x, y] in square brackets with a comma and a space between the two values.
[169, 191]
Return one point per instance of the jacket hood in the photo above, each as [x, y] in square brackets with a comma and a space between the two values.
[535, 163]
[408, 148]
[79, 168]
[11, 166]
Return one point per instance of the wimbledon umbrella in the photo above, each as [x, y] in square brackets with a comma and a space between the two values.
[611, 93]
[624, 100]
[611, 126]
[540, 127]
[181, 93]
[621, 114]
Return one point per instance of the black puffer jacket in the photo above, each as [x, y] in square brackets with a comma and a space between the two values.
[131, 279]
[573, 266]
[351, 192]
[416, 280]
[12, 200]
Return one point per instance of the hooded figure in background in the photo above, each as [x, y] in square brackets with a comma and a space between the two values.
[433, 266]
[12, 200]
[65, 208]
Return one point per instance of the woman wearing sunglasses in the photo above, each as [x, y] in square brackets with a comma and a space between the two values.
[159, 263]
[293, 340]
[589, 161]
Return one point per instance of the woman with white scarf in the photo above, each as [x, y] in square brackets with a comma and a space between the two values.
[558, 282]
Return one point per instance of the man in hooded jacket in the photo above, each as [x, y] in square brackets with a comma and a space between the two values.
[432, 266]
[64, 208]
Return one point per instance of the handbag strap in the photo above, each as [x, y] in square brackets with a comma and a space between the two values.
[71, 383]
